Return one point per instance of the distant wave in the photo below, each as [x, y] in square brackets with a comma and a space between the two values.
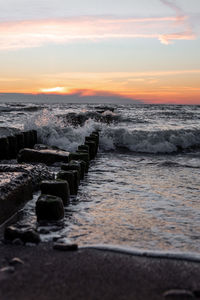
[56, 131]
[194, 164]
[21, 108]
[32, 108]
[101, 115]
[163, 141]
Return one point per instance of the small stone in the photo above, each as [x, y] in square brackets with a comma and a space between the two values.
[65, 247]
[56, 238]
[17, 236]
[16, 261]
[30, 244]
[178, 295]
[11, 233]
[7, 269]
[30, 236]
[17, 242]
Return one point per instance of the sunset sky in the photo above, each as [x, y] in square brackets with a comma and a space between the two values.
[147, 50]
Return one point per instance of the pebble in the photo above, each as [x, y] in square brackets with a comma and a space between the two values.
[56, 238]
[178, 295]
[8, 269]
[16, 261]
[17, 242]
[30, 244]
[65, 247]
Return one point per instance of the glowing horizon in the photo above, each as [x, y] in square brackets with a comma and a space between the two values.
[103, 49]
[56, 90]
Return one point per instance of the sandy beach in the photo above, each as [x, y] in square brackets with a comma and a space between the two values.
[45, 273]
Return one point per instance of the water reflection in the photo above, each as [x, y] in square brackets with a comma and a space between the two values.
[140, 203]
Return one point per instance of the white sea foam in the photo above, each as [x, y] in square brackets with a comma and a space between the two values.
[52, 130]
[173, 255]
[149, 202]
[163, 141]
[55, 131]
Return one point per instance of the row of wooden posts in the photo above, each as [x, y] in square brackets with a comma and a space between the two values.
[12, 144]
[55, 194]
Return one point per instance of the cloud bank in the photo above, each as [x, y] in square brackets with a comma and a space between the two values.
[79, 96]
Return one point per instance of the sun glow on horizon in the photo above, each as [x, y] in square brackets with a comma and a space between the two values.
[138, 50]
[58, 89]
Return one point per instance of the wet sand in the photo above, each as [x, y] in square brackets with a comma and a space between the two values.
[91, 274]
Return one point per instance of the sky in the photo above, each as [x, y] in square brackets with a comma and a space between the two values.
[143, 50]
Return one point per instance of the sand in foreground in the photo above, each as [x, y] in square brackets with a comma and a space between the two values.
[91, 274]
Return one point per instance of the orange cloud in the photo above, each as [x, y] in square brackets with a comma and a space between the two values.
[175, 86]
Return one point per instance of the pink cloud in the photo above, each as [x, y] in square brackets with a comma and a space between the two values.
[173, 6]
[167, 39]
[25, 34]
[185, 34]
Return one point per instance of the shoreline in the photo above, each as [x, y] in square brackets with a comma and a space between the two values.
[176, 255]
[45, 273]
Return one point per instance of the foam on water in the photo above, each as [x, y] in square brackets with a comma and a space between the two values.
[132, 200]
[162, 141]
[142, 190]
[58, 131]
[53, 131]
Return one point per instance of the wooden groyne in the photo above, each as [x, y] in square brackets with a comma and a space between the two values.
[13, 140]
[55, 190]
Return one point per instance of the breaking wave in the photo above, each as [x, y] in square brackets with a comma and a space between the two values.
[54, 132]
[163, 141]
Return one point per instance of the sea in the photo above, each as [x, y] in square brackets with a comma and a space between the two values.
[143, 188]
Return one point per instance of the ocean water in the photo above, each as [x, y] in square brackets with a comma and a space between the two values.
[142, 190]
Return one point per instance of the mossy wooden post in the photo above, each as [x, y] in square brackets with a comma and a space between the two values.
[76, 180]
[84, 147]
[27, 139]
[4, 148]
[92, 148]
[20, 141]
[47, 156]
[80, 156]
[58, 188]
[74, 165]
[69, 177]
[49, 208]
[35, 136]
[12, 140]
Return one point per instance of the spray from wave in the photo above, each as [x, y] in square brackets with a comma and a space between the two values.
[53, 131]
